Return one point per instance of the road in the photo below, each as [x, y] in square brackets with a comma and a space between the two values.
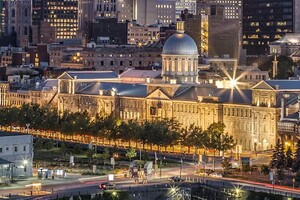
[86, 185]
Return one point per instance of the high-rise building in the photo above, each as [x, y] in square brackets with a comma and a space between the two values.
[232, 8]
[147, 12]
[61, 16]
[296, 16]
[2, 16]
[120, 9]
[106, 8]
[215, 35]
[265, 21]
[181, 5]
[86, 13]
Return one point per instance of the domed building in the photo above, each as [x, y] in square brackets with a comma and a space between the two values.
[180, 58]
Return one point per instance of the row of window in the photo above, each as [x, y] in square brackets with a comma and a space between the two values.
[15, 149]
[237, 112]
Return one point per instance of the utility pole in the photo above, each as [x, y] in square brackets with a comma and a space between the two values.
[180, 167]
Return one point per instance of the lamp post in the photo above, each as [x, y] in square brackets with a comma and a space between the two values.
[293, 183]
[140, 154]
[180, 168]
[27, 127]
[12, 172]
[160, 165]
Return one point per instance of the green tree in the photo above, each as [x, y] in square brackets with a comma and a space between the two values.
[288, 158]
[90, 154]
[226, 165]
[131, 153]
[285, 66]
[38, 144]
[296, 162]
[192, 136]
[105, 155]
[278, 158]
[48, 145]
[77, 149]
[265, 170]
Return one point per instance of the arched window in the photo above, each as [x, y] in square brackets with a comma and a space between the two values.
[13, 13]
[26, 12]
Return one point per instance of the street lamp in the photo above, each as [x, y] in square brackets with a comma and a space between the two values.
[27, 127]
[25, 162]
[180, 168]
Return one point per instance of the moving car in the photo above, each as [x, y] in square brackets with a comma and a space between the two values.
[216, 175]
[107, 186]
[175, 179]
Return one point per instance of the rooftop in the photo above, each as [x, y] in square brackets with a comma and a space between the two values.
[284, 84]
[6, 134]
[92, 74]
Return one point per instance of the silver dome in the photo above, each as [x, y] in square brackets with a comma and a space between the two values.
[180, 44]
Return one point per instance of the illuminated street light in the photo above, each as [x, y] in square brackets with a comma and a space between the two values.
[233, 83]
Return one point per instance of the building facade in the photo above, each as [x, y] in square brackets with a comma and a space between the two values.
[18, 150]
[266, 21]
[112, 57]
[62, 16]
[142, 35]
[147, 12]
[288, 45]
[18, 20]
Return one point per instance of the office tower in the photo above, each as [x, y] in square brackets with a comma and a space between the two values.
[120, 9]
[2, 16]
[296, 16]
[86, 13]
[215, 35]
[55, 15]
[265, 21]
[232, 8]
[181, 5]
[147, 12]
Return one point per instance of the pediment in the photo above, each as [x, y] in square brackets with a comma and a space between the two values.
[158, 94]
[262, 86]
[64, 75]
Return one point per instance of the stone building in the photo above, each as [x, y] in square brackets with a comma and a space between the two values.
[288, 45]
[249, 115]
[110, 57]
[16, 94]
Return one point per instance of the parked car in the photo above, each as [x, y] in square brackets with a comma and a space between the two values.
[175, 179]
[107, 186]
[216, 175]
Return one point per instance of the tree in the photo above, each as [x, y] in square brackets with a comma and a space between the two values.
[288, 159]
[285, 66]
[106, 154]
[226, 165]
[38, 144]
[278, 158]
[131, 153]
[216, 139]
[192, 136]
[296, 162]
[265, 170]
[90, 154]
